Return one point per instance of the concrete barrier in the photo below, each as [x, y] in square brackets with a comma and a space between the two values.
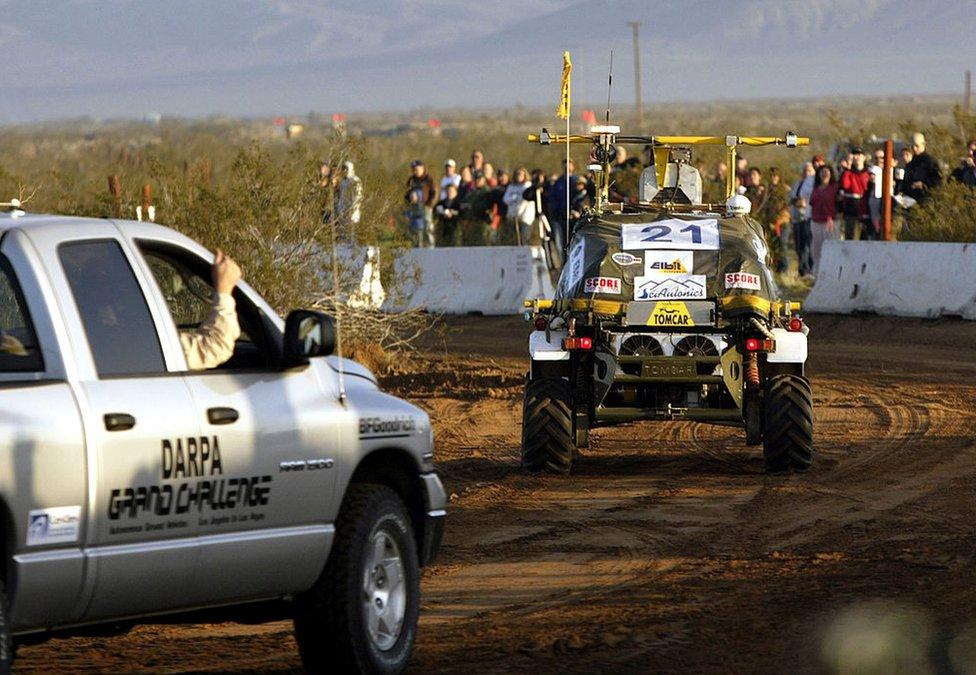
[918, 279]
[359, 275]
[490, 280]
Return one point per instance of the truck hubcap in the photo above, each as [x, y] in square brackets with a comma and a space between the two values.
[384, 591]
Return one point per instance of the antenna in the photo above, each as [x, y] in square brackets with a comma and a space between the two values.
[609, 86]
[338, 303]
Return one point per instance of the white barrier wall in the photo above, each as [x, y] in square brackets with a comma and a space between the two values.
[359, 272]
[918, 279]
[490, 280]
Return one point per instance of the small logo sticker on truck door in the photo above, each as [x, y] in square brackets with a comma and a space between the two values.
[57, 525]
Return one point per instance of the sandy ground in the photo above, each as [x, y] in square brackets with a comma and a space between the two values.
[669, 550]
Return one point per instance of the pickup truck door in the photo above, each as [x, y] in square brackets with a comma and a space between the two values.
[142, 425]
[42, 448]
[277, 433]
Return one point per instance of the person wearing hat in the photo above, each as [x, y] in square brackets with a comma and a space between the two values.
[922, 173]
[451, 177]
[422, 193]
[854, 198]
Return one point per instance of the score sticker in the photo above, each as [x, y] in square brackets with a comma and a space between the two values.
[608, 285]
[743, 280]
[671, 234]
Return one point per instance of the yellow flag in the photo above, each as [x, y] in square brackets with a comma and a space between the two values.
[562, 112]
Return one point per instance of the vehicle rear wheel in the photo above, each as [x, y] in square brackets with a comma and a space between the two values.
[788, 424]
[6, 641]
[361, 616]
[548, 438]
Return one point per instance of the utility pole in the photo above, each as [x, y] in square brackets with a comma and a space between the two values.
[635, 25]
[967, 97]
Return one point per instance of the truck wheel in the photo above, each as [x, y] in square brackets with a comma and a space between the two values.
[361, 615]
[6, 641]
[788, 424]
[547, 426]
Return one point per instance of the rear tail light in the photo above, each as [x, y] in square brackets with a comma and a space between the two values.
[795, 325]
[756, 345]
[541, 323]
[574, 343]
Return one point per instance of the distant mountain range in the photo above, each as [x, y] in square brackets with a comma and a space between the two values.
[249, 57]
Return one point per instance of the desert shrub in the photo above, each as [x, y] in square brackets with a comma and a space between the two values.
[949, 214]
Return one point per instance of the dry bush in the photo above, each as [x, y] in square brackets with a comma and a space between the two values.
[949, 214]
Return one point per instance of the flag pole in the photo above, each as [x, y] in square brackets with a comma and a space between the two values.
[566, 242]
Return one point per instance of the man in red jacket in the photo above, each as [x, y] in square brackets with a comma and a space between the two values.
[854, 194]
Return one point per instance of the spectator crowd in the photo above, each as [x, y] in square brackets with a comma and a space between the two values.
[477, 204]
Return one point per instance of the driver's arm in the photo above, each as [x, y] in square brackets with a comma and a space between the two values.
[213, 342]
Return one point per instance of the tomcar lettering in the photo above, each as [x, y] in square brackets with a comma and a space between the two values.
[390, 427]
[670, 314]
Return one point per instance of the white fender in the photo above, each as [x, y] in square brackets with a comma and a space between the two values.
[541, 349]
[790, 347]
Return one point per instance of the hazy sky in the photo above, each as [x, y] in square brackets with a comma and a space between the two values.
[109, 58]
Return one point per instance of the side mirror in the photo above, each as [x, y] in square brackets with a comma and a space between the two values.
[308, 334]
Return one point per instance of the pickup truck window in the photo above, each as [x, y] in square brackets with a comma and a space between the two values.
[113, 309]
[19, 351]
[183, 279]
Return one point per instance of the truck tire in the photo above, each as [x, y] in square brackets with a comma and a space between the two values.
[548, 438]
[6, 641]
[361, 615]
[787, 424]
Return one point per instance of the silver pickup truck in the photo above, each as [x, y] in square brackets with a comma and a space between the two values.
[132, 487]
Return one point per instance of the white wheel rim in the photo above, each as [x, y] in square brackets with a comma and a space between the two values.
[384, 591]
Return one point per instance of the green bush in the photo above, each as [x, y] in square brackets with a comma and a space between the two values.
[949, 214]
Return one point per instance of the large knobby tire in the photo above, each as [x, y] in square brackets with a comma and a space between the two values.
[6, 641]
[340, 625]
[788, 424]
[547, 426]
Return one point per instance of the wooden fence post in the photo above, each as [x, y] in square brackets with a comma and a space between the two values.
[115, 189]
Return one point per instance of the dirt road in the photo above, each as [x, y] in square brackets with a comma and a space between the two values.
[669, 550]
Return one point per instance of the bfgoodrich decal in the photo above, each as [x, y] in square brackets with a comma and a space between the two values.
[670, 287]
[385, 427]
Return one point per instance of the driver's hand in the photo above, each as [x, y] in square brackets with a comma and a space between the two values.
[225, 273]
[11, 345]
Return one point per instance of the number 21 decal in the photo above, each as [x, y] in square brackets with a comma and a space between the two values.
[671, 234]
